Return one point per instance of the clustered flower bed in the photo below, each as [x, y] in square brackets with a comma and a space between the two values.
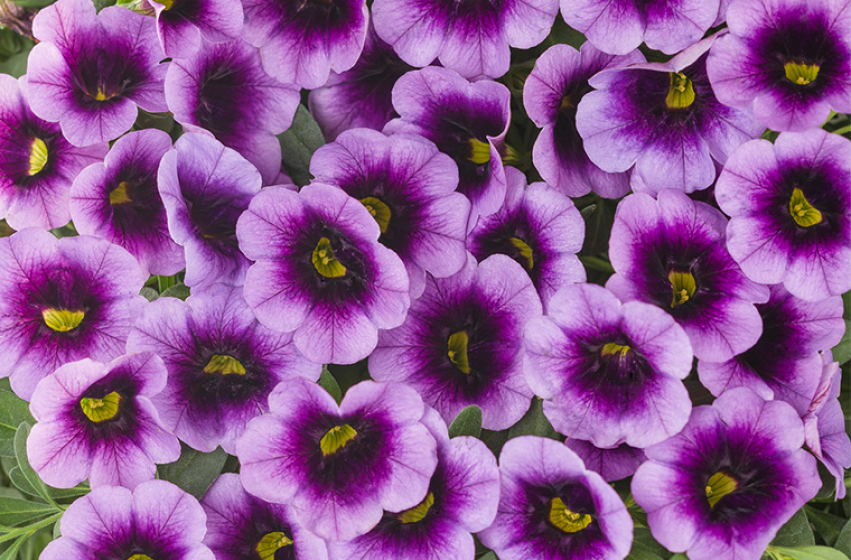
[425, 280]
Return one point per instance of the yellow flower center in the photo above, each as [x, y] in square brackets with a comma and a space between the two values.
[119, 195]
[680, 93]
[612, 349]
[417, 513]
[167, 3]
[270, 543]
[99, 410]
[480, 152]
[719, 485]
[336, 438]
[525, 251]
[224, 364]
[566, 103]
[379, 211]
[38, 156]
[566, 520]
[325, 262]
[800, 73]
[458, 350]
[140, 557]
[804, 213]
[62, 320]
[683, 285]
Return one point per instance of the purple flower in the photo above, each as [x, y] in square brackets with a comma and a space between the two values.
[788, 59]
[462, 498]
[223, 89]
[609, 373]
[790, 208]
[550, 95]
[409, 188]
[205, 187]
[670, 252]
[302, 41]
[613, 463]
[90, 71]
[466, 121]
[182, 25]
[156, 520]
[222, 364]
[340, 467]
[618, 26]
[96, 420]
[538, 227]
[552, 508]
[242, 527]
[38, 164]
[723, 487]
[63, 300]
[664, 119]
[471, 38]
[119, 201]
[785, 363]
[320, 272]
[360, 97]
[461, 343]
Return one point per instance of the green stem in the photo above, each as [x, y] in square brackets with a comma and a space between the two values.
[31, 528]
[843, 130]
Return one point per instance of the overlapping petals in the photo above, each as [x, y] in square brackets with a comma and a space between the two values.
[183, 24]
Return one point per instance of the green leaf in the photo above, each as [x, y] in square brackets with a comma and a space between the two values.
[194, 471]
[21, 482]
[13, 411]
[645, 546]
[149, 294]
[18, 512]
[827, 525]
[33, 3]
[56, 531]
[843, 541]
[327, 382]
[796, 532]
[178, 291]
[534, 423]
[16, 65]
[12, 552]
[27, 471]
[679, 556]
[298, 144]
[808, 553]
[842, 351]
[467, 423]
[489, 556]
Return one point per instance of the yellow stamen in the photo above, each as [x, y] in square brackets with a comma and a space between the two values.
[418, 512]
[38, 156]
[140, 557]
[800, 73]
[458, 350]
[167, 3]
[62, 320]
[324, 261]
[804, 213]
[719, 485]
[224, 364]
[119, 195]
[270, 543]
[525, 251]
[612, 349]
[336, 438]
[379, 211]
[681, 92]
[566, 520]
[683, 285]
[480, 152]
[99, 410]
[566, 103]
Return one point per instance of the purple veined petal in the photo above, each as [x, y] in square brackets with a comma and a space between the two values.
[182, 23]
[612, 464]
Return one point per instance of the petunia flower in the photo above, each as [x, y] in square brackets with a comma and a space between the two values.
[790, 209]
[63, 300]
[538, 227]
[551, 94]
[320, 271]
[612, 463]
[38, 165]
[552, 508]
[409, 188]
[222, 364]
[471, 38]
[462, 498]
[301, 41]
[90, 71]
[156, 520]
[182, 25]
[670, 252]
[119, 201]
[663, 119]
[222, 89]
[722, 487]
[466, 121]
[339, 468]
[461, 343]
[205, 187]
[97, 421]
[242, 527]
[788, 59]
